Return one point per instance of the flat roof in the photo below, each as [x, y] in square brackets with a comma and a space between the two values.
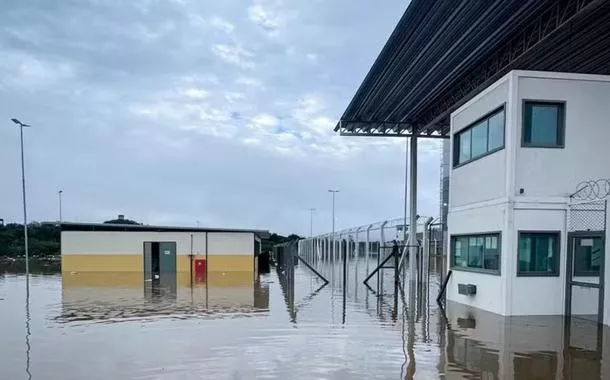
[69, 226]
[442, 53]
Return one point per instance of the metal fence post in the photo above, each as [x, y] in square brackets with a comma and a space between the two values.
[367, 249]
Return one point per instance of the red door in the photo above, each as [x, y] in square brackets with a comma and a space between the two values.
[200, 269]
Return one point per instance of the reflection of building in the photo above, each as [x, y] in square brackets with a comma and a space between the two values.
[156, 250]
[123, 295]
[484, 345]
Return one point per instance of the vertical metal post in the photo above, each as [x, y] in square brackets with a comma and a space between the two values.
[25, 215]
[333, 193]
[357, 242]
[60, 192]
[406, 200]
[340, 253]
[426, 250]
[191, 264]
[367, 249]
[311, 210]
[381, 249]
[324, 248]
[413, 208]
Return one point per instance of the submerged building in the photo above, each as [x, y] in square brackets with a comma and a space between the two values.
[523, 222]
[157, 250]
[521, 90]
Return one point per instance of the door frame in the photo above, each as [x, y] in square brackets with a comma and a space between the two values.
[570, 282]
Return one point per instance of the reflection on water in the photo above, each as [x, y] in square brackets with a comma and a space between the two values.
[115, 297]
[116, 326]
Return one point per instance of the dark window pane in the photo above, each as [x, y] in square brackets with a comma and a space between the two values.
[460, 251]
[587, 256]
[475, 251]
[496, 131]
[542, 124]
[464, 146]
[537, 252]
[492, 253]
[479, 139]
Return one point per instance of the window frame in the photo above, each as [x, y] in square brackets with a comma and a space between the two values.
[555, 272]
[562, 123]
[579, 235]
[456, 148]
[454, 237]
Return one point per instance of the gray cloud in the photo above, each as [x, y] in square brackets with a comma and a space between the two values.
[177, 111]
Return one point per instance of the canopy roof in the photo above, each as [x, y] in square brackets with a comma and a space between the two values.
[444, 52]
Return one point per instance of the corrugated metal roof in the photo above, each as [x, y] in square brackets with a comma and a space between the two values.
[444, 52]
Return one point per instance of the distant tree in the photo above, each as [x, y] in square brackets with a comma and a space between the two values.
[121, 221]
[43, 239]
[267, 244]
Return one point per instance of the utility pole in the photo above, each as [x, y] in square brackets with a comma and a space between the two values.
[59, 193]
[25, 213]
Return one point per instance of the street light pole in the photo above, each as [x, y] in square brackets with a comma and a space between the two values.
[59, 193]
[25, 213]
[311, 211]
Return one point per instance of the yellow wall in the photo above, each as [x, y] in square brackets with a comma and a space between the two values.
[135, 263]
[183, 264]
[230, 263]
[103, 279]
[102, 263]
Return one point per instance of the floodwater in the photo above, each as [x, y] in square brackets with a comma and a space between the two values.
[115, 326]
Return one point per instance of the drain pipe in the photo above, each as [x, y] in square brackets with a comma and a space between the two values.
[191, 257]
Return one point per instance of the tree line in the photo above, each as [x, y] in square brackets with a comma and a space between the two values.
[44, 239]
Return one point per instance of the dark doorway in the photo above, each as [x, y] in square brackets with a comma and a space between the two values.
[154, 261]
[159, 260]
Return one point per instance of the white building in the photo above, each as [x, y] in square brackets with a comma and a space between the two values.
[520, 149]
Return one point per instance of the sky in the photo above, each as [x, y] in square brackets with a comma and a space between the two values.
[180, 112]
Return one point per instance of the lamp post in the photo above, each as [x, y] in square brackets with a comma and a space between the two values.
[59, 193]
[25, 213]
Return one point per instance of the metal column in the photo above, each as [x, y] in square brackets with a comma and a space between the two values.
[413, 208]
[357, 248]
[426, 250]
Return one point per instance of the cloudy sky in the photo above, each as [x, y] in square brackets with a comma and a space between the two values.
[178, 111]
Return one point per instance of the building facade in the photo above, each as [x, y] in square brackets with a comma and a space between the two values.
[151, 249]
[526, 214]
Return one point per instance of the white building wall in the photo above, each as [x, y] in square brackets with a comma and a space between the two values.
[126, 242]
[489, 286]
[607, 280]
[466, 185]
[230, 243]
[551, 172]
[538, 295]
[121, 242]
[547, 176]
[477, 202]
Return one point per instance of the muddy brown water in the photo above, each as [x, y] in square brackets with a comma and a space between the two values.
[116, 326]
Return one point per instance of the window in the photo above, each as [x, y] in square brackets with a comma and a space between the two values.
[479, 252]
[483, 137]
[464, 144]
[588, 253]
[543, 124]
[538, 254]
